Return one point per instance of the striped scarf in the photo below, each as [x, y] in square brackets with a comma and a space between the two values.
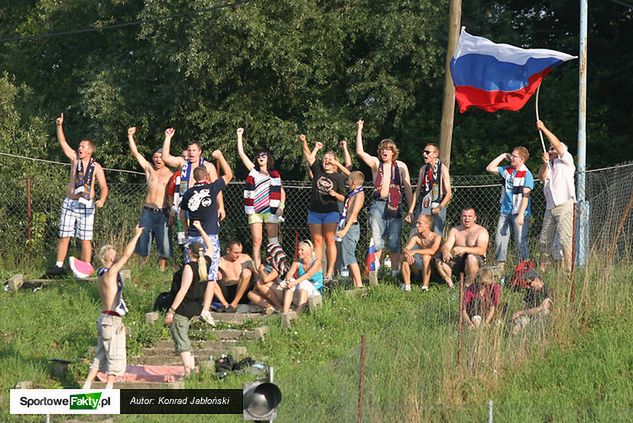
[431, 186]
[185, 174]
[518, 183]
[84, 178]
[348, 200]
[262, 193]
[395, 194]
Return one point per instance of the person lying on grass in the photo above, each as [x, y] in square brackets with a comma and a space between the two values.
[308, 281]
[188, 300]
[110, 356]
[267, 292]
[537, 304]
[481, 300]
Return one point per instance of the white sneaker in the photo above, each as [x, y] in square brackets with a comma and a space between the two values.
[425, 288]
[406, 288]
[206, 316]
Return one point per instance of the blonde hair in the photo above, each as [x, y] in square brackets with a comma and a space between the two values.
[103, 251]
[485, 275]
[523, 152]
[198, 253]
[388, 144]
[309, 244]
[358, 177]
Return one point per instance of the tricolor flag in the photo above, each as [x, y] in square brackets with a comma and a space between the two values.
[371, 263]
[498, 76]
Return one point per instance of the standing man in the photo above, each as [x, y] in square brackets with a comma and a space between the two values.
[194, 159]
[419, 252]
[557, 173]
[110, 356]
[515, 203]
[155, 209]
[433, 191]
[464, 250]
[391, 180]
[200, 203]
[78, 208]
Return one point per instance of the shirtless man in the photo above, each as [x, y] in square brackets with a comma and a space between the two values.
[419, 251]
[154, 213]
[78, 208]
[464, 250]
[385, 216]
[110, 354]
[237, 273]
[186, 166]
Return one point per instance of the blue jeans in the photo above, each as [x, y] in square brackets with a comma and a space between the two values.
[384, 231]
[502, 239]
[154, 224]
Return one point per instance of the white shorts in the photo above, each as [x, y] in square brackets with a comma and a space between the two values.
[306, 286]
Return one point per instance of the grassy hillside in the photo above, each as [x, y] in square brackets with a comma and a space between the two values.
[577, 367]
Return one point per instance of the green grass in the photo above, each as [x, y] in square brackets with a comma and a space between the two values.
[578, 367]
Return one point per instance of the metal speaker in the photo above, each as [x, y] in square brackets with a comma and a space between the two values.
[261, 400]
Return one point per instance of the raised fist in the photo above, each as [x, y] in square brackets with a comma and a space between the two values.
[216, 154]
[131, 131]
[169, 132]
[240, 131]
[60, 120]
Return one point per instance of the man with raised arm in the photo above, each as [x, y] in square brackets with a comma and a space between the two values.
[391, 180]
[464, 250]
[200, 203]
[557, 173]
[186, 166]
[419, 252]
[110, 354]
[155, 211]
[433, 192]
[78, 208]
[514, 214]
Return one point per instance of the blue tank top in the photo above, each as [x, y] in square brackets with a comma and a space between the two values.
[316, 279]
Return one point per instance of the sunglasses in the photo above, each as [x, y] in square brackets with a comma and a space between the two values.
[551, 149]
[427, 152]
[260, 155]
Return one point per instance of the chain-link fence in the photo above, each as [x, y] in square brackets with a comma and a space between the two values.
[31, 199]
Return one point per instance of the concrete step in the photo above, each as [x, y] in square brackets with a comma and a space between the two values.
[142, 385]
[254, 334]
[238, 317]
[197, 345]
[163, 357]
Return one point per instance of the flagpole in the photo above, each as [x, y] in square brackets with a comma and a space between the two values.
[538, 90]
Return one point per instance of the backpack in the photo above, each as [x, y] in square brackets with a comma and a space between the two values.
[516, 281]
[165, 299]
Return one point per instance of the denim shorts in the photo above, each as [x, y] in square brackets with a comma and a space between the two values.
[315, 218]
[154, 224]
[215, 257]
[384, 231]
[348, 245]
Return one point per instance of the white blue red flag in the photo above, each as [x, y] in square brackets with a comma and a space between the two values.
[498, 76]
[371, 263]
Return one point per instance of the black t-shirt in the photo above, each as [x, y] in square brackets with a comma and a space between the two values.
[535, 297]
[321, 201]
[201, 201]
[191, 305]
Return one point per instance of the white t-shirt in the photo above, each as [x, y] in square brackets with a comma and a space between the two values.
[559, 185]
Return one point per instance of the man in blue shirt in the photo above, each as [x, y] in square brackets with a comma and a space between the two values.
[515, 203]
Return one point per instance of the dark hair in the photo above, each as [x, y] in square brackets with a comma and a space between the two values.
[200, 173]
[270, 161]
[467, 207]
[234, 242]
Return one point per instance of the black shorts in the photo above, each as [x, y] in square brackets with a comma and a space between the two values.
[230, 291]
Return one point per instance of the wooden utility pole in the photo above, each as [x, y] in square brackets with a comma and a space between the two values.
[448, 108]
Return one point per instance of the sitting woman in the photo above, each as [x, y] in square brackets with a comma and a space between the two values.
[308, 281]
[188, 300]
[328, 189]
[481, 299]
[264, 197]
[267, 292]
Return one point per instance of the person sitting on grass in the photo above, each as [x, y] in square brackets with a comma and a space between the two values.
[419, 252]
[308, 281]
[464, 251]
[237, 276]
[188, 301]
[537, 304]
[267, 292]
[110, 354]
[348, 231]
[481, 300]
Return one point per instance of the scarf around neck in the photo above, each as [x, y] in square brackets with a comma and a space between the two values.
[84, 178]
[395, 195]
